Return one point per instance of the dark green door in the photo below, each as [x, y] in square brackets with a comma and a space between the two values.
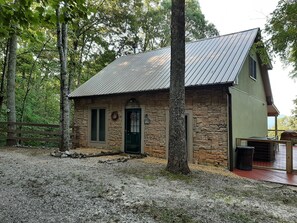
[133, 131]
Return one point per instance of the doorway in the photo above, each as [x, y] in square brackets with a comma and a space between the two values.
[133, 130]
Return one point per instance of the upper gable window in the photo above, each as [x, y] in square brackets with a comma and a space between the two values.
[252, 68]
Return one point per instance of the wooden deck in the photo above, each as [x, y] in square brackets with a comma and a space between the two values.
[280, 159]
[273, 171]
[275, 176]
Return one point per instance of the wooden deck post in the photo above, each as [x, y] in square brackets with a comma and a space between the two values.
[289, 155]
[276, 128]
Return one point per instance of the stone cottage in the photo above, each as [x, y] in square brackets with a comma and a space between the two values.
[228, 95]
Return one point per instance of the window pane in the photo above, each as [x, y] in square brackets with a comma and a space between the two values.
[255, 70]
[252, 67]
[102, 125]
[94, 124]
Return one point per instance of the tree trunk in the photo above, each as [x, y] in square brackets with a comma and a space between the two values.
[4, 69]
[64, 101]
[79, 66]
[177, 154]
[11, 76]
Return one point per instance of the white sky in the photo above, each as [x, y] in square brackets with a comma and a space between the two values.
[237, 15]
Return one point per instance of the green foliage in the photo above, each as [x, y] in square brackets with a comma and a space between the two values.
[147, 24]
[17, 14]
[285, 123]
[261, 50]
[282, 29]
[294, 111]
[99, 31]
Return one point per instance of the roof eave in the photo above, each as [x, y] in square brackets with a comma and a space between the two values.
[226, 84]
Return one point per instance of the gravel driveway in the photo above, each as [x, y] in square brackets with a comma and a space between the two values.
[35, 187]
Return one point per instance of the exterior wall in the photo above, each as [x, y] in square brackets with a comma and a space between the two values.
[249, 106]
[210, 130]
[206, 109]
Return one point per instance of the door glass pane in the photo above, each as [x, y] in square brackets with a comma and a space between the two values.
[102, 125]
[94, 124]
[135, 122]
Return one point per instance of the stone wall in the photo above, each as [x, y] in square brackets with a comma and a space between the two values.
[208, 108]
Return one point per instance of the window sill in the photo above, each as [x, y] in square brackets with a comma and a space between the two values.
[97, 142]
[254, 79]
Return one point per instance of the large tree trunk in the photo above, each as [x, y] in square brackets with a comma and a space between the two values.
[4, 69]
[177, 154]
[64, 101]
[11, 76]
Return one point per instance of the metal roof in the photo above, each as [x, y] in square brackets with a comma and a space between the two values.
[216, 60]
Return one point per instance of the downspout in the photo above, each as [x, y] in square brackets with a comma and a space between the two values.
[230, 133]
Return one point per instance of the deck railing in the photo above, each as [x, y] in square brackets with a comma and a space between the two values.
[275, 133]
[276, 144]
[32, 133]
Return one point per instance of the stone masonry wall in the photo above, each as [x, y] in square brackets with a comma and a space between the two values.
[209, 130]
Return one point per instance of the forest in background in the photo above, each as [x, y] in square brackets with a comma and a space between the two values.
[98, 32]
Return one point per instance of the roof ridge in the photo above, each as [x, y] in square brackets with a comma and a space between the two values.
[195, 41]
[228, 34]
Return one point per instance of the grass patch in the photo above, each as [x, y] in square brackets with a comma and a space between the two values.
[77, 176]
[251, 217]
[177, 176]
[228, 199]
[98, 190]
[165, 214]
[150, 177]
[239, 217]
[154, 174]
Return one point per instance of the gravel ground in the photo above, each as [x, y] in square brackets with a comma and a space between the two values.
[35, 187]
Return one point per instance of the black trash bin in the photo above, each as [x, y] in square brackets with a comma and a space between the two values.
[244, 157]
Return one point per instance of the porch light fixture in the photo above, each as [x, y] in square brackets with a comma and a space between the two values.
[146, 119]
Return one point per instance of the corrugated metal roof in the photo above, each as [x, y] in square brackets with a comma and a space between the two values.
[216, 60]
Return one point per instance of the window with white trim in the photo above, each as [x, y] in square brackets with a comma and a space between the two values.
[98, 125]
[252, 68]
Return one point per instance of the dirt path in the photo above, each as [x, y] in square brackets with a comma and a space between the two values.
[35, 187]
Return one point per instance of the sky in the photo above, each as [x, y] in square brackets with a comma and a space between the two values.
[231, 16]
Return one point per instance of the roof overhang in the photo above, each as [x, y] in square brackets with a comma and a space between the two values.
[272, 110]
[266, 83]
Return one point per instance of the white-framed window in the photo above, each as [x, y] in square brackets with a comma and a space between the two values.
[252, 68]
[98, 125]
